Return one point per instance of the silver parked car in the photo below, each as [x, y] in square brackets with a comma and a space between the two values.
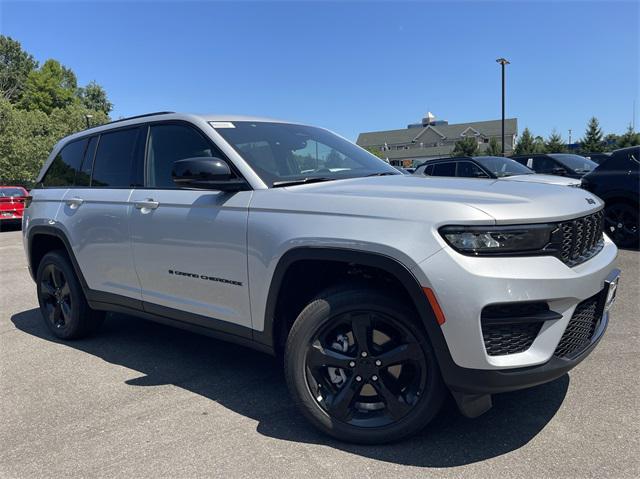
[381, 290]
[496, 167]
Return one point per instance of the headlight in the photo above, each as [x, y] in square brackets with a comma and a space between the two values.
[496, 240]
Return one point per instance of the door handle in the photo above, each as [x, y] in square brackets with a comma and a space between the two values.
[148, 204]
[74, 203]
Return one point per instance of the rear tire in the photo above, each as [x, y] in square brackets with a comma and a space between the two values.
[360, 367]
[62, 303]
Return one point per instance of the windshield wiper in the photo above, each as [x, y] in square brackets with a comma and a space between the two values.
[301, 181]
[384, 173]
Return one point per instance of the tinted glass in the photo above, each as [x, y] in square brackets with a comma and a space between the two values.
[114, 159]
[466, 169]
[169, 143]
[501, 167]
[444, 169]
[12, 192]
[62, 171]
[83, 176]
[577, 163]
[544, 164]
[280, 152]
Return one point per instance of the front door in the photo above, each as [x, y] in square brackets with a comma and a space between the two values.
[189, 245]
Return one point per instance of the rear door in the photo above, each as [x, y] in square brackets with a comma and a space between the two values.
[189, 245]
[95, 211]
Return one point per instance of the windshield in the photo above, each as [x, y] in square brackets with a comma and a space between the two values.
[280, 153]
[11, 192]
[577, 163]
[500, 166]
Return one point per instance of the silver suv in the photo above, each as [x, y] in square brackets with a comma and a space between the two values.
[382, 291]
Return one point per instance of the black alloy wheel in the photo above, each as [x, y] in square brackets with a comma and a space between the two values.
[365, 369]
[64, 308]
[56, 296]
[621, 224]
[360, 366]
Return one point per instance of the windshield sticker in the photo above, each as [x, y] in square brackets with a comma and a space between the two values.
[222, 124]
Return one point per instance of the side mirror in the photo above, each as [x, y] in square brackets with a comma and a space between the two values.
[558, 170]
[206, 173]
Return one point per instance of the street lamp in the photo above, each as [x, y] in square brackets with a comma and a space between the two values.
[88, 117]
[502, 62]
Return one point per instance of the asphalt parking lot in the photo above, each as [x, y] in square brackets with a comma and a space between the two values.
[141, 399]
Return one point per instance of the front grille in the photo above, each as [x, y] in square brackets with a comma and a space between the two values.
[501, 339]
[581, 328]
[582, 238]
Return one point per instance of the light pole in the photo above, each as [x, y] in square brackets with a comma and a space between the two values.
[87, 117]
[502, 62]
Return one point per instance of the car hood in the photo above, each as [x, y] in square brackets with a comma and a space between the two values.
[439, 199]
[548, 179]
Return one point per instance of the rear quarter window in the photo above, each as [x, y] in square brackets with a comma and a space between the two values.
[62, 171]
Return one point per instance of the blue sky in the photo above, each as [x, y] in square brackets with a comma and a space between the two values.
[350, 67]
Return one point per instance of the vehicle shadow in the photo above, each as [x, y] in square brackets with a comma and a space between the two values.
[252, 384]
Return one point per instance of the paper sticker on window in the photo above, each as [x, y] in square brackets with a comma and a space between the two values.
[221, 124]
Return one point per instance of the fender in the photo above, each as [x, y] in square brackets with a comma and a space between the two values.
[376, 260]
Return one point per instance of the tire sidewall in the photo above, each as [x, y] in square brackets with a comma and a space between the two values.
[317, 315]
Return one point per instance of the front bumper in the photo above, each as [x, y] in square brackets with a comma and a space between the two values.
[465, 285]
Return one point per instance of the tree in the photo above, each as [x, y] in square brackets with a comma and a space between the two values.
[15, 67]
[629, 138]
[494, 148]
[555, 143]
[95, 98]
[593, 139]
[539, 145]
[468, 146]
[526, 144]
[51, 86]
[375, 151]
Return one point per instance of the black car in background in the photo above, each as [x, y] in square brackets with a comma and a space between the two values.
[561, 164]
[597, 157]
[617, 182]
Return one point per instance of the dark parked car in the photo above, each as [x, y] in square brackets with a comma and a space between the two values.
[494, 167]
[617, 182]
[598, 157]
[561, 164]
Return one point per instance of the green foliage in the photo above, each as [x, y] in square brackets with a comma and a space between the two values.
[629, 138]
[494, 148]
[593, 141]
[555, 143]
[38, 107]
[539, 145]
[27, 137]
[94, 97]
[526, 143]
[375, 151]
[468, 146]
[15, 67]
[52, 86]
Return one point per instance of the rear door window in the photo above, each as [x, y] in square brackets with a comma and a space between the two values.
[116, 158]
[444, 169]
[544, 164]
[62, 171]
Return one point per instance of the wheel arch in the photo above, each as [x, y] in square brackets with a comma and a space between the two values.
[41, 239]
[273, 324]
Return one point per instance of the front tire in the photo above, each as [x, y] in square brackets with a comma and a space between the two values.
[360, 368]
[622, 224]
[62, 303]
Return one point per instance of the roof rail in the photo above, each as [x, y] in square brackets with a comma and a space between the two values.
[132, 118]
[140, 116]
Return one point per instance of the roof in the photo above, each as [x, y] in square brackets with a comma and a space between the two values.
[453, 131]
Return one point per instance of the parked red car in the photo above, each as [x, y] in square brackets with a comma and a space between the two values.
[12, 200]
